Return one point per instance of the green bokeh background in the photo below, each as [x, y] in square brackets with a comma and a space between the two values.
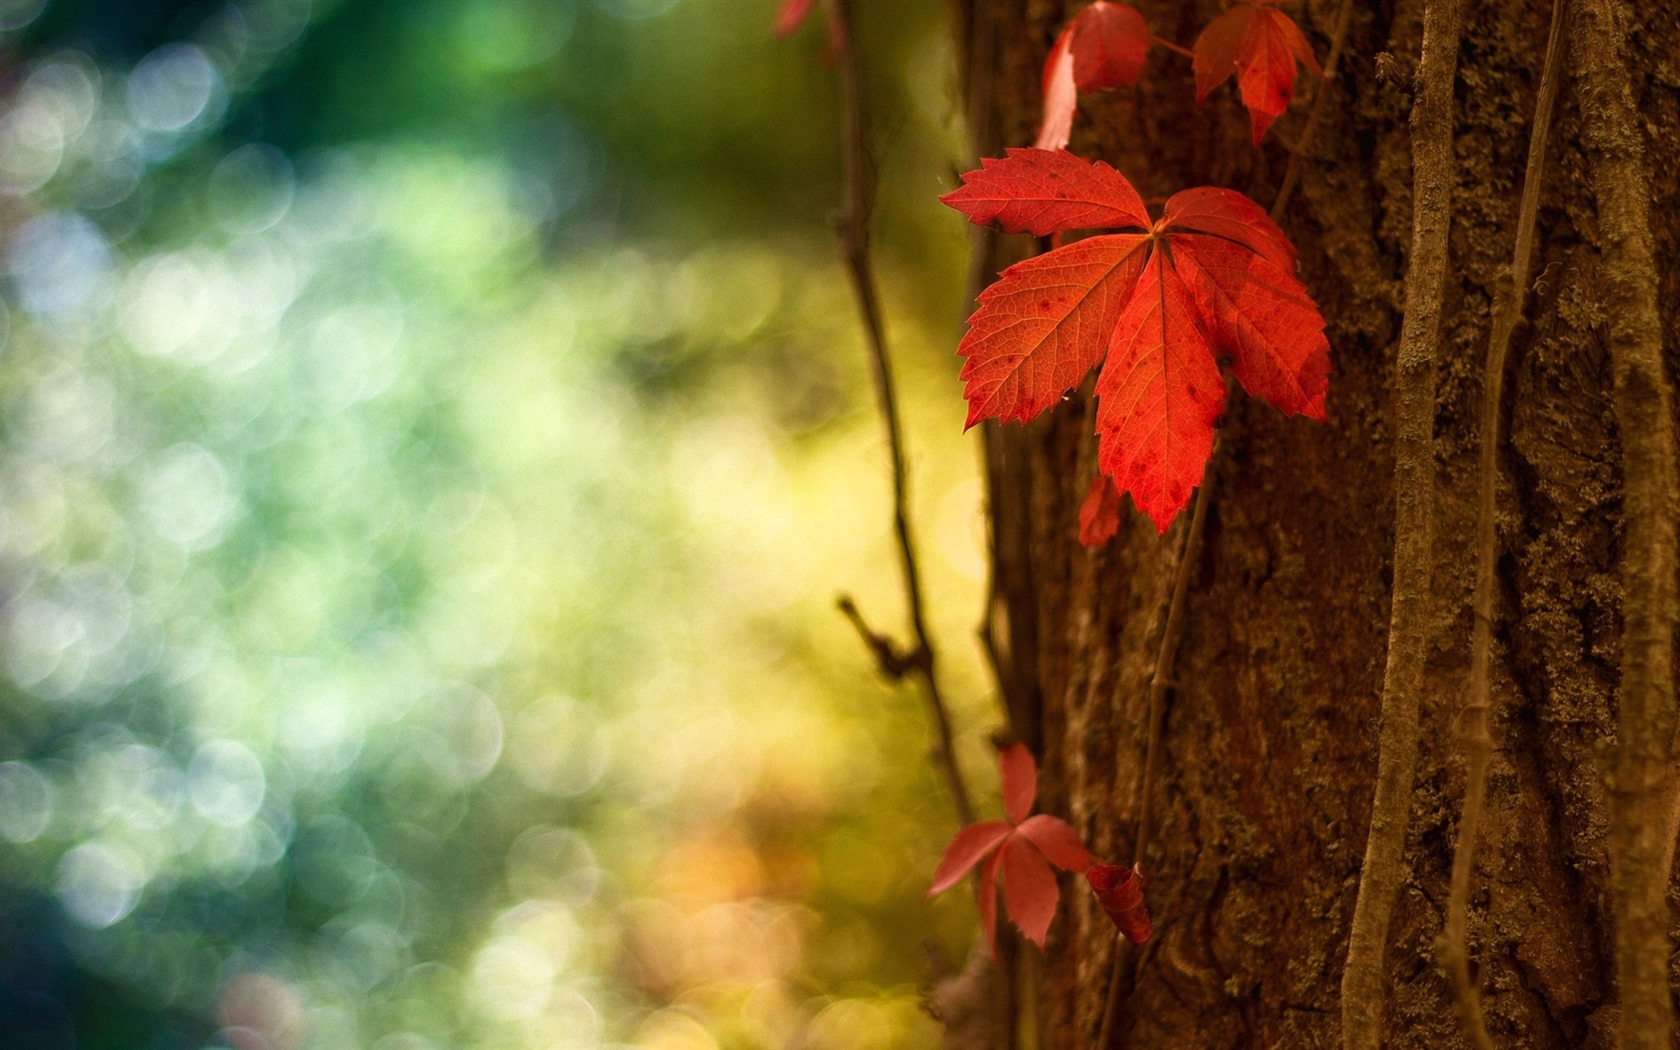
[432, 436]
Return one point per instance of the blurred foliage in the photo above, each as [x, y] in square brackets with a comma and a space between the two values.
[432, 433]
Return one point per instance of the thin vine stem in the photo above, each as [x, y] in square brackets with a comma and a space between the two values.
[1640, 834]
[1165, 660]
[1125, 954]
[1414, 527]
[852, 225]
[1292, 173]
[1477, 737]
[1170, 46]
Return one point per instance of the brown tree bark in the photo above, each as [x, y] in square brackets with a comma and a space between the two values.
[1269, 762]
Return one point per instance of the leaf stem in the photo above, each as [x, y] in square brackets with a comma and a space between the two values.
[1170, 46]
[1477, 738]
[1292, 172]
[1642, 770]
[852, 226]
[1414, 527]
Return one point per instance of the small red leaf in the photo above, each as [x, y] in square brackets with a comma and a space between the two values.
[1120, 892]
[1261, 45]
[1056, 839]
[1024, 847]
[1099, 515]
[1110, 43]
[1103, 47]
[1061, 97]
[1218, 48]
[1043, 191]
[970, 844]
[988, 899]
[1029, 889]
[1020, 781]
[791, 15]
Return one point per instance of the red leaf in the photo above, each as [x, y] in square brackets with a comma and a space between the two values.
[1261, 45]
[1020, 846]
[971, 843]
[1120, 892]
[1029, 889]
[1213, 278]
[1044, 191]
[1020, 781]
[1056, 839]
[791, 15]
[988, 899]
[1099, 515]
[1110, 42]
[1061, 97]
[1103, 47]
[1159, 395]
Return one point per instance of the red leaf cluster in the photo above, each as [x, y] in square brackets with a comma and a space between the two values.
[1023, 847]
[1260, 44]
[1120, 892]
[1156, 305]
[1106, 43]
[1103, 47]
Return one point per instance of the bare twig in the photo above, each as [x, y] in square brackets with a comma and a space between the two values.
[852, 225]
[1640, 836]
[1120, 974]
[1293, 171]
[1477, 738]
[1414, 532]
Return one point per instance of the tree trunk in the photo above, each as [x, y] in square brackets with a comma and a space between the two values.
[1269, 762]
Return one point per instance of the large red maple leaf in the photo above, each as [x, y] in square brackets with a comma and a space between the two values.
[1260, 44]
[1156, 305]
[1023, 846]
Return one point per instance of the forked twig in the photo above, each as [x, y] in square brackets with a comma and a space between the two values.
[1477, 738]
[852, 226]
